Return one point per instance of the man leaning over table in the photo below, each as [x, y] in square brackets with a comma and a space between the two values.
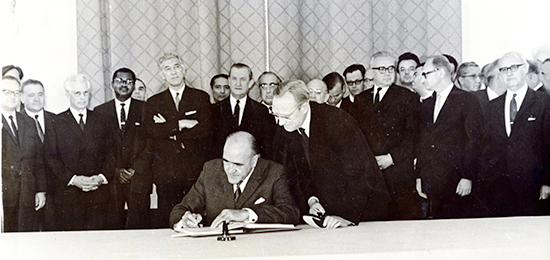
[240, 187]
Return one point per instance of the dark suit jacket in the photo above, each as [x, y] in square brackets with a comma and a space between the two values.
[180, 159]
[22, 164]
[212, 193]
[129, 143]
[342, 171]
[482, 97]
[347, 105]
[449, 149]
[523, 157]
[71, 151]
[256, 120]
[390, 126]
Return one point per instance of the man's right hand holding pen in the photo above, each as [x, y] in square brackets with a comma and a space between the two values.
[189, 220]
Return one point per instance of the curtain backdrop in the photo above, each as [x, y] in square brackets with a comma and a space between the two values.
[304, 39]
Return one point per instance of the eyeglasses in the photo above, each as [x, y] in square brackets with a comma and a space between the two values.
[512, 68]
[317, 91]
[472, 76]
[357, 82]
[120, 81]
[285, 117]
[271, 85]
[8, 92]
[425, 74]
[390, 69]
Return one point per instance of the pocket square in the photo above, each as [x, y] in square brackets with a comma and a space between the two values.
[259, 201]
[137, 123]
[192, 112]
[531, 118]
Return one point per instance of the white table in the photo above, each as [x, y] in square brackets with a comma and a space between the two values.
[486, 238]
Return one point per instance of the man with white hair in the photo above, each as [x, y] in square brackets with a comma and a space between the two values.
[516, 144]
[76, 151]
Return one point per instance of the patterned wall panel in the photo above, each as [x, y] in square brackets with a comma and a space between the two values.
[307, 38]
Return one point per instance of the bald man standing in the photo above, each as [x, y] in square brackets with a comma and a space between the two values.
[516, 144]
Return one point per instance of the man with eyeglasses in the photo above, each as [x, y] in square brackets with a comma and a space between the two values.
[77, 150]
[267, 82]
[448, 147]
[406, 65]
[469, 76]
[516, 144]
[23, 179]
[330, 167]
[124, 115]
[178, 123]
[239, 112]
[318, 91]
[387, 117]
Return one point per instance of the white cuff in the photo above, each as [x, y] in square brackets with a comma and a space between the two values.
[104, 179]
[252, 216]
[71, 181]
[312, 200]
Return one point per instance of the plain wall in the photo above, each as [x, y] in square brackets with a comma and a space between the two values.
[42, 41]
[491, 28]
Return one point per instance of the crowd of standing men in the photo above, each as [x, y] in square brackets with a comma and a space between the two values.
[400, 139]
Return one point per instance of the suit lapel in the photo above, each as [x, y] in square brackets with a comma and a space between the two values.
[8, 129]
[253, 183]
[169, 104]
[71, 123]
[523, 113]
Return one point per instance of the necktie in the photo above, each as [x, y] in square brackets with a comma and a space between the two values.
[238, 191]
[236, 112]
[81, 122]
[14, 129]
[122, 116]
[513, 109]
[305, 143]
[377, 96]
[178, 101]
[39, 128]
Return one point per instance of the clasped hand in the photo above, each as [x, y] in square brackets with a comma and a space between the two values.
[86, 183]
[125, 175]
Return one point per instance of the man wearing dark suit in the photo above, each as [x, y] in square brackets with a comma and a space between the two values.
[448, 149]
[76, 151]
[178, 122]
[336, 86]
[32, 95]
[355, 82]
[387, 116]
[545, 75]
[406, 66]
[267, 82]
[23, 180]
[241, 113]
[125, 116]
[330, 167]
[517, 144]
[241, 187]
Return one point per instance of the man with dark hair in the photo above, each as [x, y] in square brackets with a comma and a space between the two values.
[336, 86]
[533, 76]
[387, 117]
[239, 112]
[178, 122]
[516, 144]
[329, 164]
[448, 148]
[239, 187]
[469, 77]
[406, 65]
[23, 180]
[125, 117]
[11, 70]
[80, 179]
[220, 87]
[355, 82]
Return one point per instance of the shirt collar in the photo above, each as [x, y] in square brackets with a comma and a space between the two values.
[307, 122]
[491, 94]
[173, 92]
[520, 95]
[127, 103]
[245, 181]
[233, 101]
[33, 114]
[76, 113]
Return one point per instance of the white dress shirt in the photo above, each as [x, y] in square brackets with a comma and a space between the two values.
[491, 94]
[440, 100]
[382, 92]
[76, 114]
[118, 108]
[180, 94]
[242, 103]
[252, 216]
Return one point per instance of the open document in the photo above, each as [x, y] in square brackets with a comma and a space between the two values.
[234, 228]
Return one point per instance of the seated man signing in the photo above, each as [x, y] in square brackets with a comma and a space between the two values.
[241, 187]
